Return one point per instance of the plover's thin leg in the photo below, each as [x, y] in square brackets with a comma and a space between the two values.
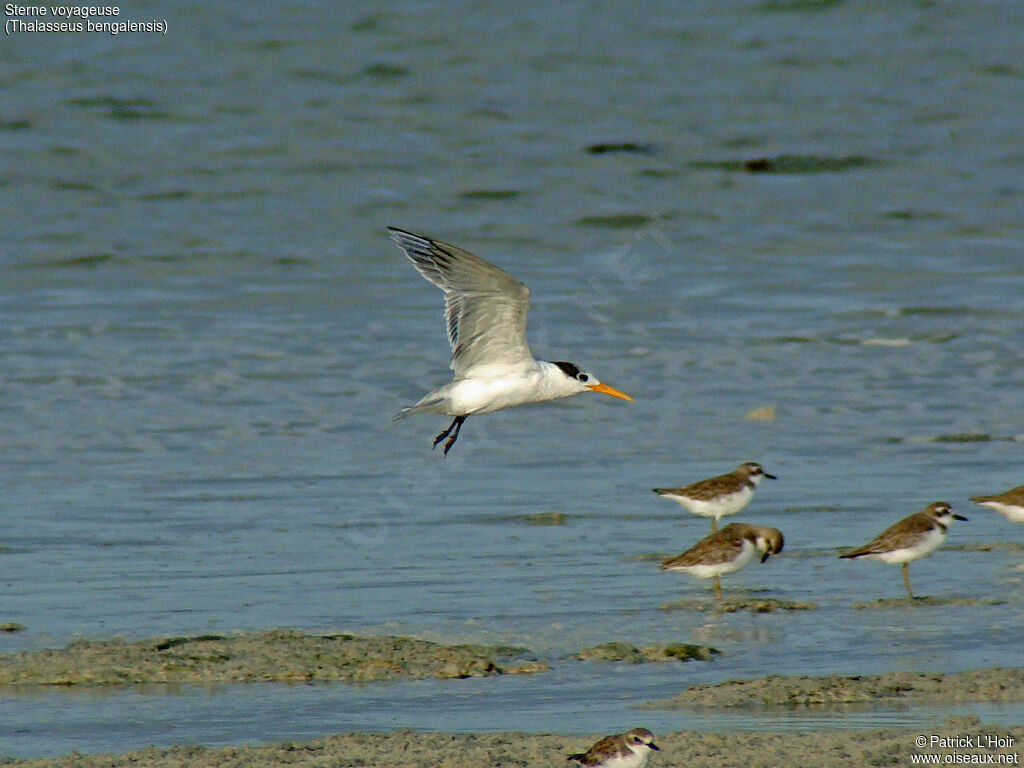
[718, 587]
[906, 580]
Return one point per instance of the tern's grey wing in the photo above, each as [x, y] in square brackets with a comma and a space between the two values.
[485, 307]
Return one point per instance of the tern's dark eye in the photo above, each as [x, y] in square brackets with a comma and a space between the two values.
[583, 377]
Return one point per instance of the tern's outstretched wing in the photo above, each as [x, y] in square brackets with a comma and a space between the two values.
[485, 307]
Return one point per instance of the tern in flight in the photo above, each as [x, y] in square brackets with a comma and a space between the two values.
[485, 313]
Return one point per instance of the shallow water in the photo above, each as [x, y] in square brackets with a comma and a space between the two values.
[205, 332]
[93, 721]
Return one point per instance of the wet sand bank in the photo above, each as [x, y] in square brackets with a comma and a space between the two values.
[981, 685]
[684, 749]
[289, 656]
[278, 655]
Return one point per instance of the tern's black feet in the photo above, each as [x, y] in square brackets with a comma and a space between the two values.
[456, 425]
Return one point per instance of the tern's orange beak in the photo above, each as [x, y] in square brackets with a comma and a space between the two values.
[606, 390]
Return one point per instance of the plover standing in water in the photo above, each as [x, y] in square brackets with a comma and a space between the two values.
[726, 551]
[1009, 504]
[625, 750]
[719, 496]
[485, 314]
[910, 539]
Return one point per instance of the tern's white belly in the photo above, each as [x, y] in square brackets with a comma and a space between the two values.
[484, 395]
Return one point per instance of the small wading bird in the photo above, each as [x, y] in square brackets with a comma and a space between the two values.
[719, 496]
[1009, 504]
[726, 551]
[910, 539]
[624, 750]
[485, 313]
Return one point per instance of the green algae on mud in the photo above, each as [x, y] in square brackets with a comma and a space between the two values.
[622, 147]
[733, 604]
[272, 656]
[924, 601]
[983, 685]
[616, 221]
[790, 164]
[616, 651]
[488, 194]
[542, 518]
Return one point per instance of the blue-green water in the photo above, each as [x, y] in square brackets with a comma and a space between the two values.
[205, 332]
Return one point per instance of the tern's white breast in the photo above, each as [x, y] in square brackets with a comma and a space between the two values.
[499, 386]
[487, 394]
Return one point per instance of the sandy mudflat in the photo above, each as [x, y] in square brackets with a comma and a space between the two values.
[284, 655]
[994, 684]
[273, 656]
[406, 749]
[733, 604]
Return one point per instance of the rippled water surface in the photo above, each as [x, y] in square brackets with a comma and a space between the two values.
[812, 209]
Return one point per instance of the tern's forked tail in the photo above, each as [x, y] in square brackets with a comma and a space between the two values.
[426, 405]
